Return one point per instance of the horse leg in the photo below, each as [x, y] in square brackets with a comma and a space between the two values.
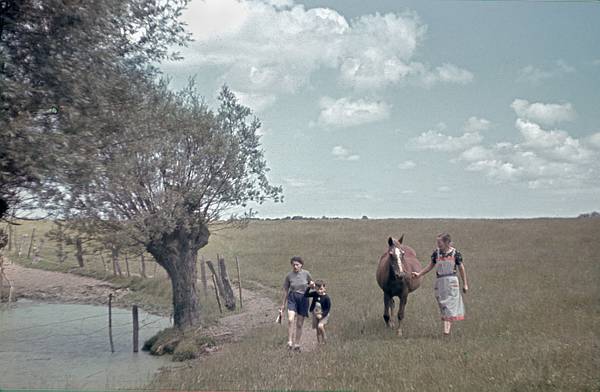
[403, 300]
[387, 306]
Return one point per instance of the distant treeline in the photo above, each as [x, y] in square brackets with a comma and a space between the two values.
[593, 214]
[300, 217]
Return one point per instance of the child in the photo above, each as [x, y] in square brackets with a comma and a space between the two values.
[320, 307]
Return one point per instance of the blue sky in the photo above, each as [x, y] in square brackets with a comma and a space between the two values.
[414, 108]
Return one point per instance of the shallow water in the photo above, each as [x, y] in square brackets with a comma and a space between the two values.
[67, 346]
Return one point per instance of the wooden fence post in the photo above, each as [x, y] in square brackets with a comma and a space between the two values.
[203, 276]
[20, 245]
[104, 264]
[136, 328]
[10, 284]
[79, 251]
[112, 347]
[229, 296]
[237, 264]
[10, 237]
[31, 243]
[217, 293]
[1, 277]
[127, 266]
[142, 265]
[219, 283]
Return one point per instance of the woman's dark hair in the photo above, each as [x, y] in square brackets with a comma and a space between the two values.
[297, 259]
[445, 237]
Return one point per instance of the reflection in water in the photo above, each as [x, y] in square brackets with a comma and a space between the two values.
[67, 346]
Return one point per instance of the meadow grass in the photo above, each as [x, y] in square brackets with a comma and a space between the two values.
[533, 310]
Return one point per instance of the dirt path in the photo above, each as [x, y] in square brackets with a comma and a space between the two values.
[49, 286]
[259, 310]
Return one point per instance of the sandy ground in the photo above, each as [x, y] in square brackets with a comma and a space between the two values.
[258, 309]
[61, 287]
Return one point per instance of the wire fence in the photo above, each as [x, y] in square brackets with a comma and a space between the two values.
[142, 324]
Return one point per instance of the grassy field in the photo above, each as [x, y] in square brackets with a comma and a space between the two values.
[533, 310]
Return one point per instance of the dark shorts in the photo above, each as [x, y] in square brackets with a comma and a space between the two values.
[298, 303]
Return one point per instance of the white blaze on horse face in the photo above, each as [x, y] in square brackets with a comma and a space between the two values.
[398, 253]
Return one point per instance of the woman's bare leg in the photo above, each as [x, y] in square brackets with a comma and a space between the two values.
[299, 324]
[291, 327]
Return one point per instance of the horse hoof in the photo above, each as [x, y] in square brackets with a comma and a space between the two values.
[399, 332]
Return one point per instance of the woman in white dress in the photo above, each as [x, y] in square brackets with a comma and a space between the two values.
[447, 261]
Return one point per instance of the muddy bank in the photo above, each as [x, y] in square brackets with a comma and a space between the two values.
[60, 287]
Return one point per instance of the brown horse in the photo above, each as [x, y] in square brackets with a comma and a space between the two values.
[394, 276]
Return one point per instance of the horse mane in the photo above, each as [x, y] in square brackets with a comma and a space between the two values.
[408, 251]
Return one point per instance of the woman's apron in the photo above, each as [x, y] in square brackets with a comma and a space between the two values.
[447, 290]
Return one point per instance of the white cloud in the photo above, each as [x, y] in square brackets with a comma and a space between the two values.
[541, 159]
[256, 102]
[535, 75]
[476, 153]
[447, 73]
[594, 140]
[301, 183]
[474, 124]
[345, 112]
[437, 141]
[545, 113]
[342, 153]
[556, 144]
[276, 45]
[406, 165]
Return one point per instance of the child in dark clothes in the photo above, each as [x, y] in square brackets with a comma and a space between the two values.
[320, 307]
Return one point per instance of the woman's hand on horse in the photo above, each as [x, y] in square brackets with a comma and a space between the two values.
[415, 274]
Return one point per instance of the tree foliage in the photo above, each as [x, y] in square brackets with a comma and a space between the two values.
[60, 67]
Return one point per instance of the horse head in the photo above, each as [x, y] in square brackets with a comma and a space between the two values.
[396, 254]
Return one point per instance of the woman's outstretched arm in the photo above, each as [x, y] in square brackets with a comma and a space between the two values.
[424, 271]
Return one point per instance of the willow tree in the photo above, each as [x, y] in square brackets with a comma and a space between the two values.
[60, 61]
[174, 169]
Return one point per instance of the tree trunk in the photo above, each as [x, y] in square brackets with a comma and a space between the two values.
[176, 252]
[79, 251]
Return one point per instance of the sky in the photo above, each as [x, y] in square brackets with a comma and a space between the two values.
[411, 108]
